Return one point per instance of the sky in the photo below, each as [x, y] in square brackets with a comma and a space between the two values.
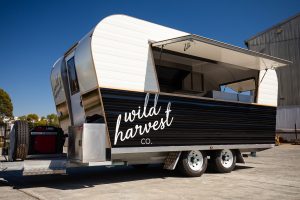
[35, 33]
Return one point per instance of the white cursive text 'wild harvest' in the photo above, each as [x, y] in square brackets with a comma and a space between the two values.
[128, 117]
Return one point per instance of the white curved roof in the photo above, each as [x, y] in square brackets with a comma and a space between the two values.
[123, 60]
[120, 49]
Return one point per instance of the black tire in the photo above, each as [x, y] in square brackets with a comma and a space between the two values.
[218, 161]
[21, 140]
[186, 169]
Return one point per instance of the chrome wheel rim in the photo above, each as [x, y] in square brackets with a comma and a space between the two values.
[226, 158]
[195, 160]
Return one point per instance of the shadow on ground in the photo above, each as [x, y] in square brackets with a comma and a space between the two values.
[240, 167]
[210, 170]
[79, 178]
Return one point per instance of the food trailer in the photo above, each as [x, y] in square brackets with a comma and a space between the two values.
[131, 92]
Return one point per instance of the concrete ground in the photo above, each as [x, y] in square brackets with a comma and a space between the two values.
[273, 174]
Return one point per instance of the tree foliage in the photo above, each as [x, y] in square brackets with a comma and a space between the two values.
[6, 106]
[52, 119]
[34, 120]
[42, 122]
[23, 118]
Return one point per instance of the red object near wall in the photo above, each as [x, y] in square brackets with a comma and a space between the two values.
[45, 144]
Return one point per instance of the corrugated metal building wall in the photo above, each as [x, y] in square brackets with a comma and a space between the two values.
[283, 41]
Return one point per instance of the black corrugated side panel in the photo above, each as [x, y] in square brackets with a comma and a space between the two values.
[195, 121]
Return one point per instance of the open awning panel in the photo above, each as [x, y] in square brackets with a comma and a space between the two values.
[197, 46]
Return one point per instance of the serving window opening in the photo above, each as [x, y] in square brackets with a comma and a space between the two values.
[185, 74]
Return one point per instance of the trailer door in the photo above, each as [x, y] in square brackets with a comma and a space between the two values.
[75, 97]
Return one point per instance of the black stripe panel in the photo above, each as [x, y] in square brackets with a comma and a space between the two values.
[195, 121]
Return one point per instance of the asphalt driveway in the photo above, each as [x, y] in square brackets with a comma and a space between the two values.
[273, 174]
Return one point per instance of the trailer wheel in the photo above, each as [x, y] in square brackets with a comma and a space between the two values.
[223, 161]
[21, 140]
[193, 163]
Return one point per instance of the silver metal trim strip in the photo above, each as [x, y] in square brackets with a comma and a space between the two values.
[43, 133]
[188, 148]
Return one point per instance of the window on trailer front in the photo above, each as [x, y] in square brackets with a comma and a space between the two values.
[73, 81]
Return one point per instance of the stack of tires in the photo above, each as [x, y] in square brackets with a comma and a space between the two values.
[19, 140]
